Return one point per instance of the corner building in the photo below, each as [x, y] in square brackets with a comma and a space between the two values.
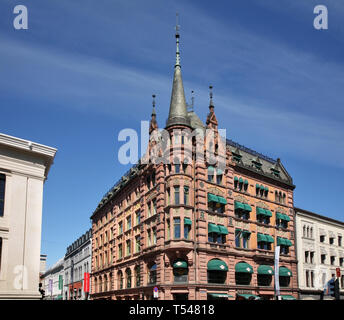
[195, 230]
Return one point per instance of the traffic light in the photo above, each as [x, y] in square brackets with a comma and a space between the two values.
[333, 288]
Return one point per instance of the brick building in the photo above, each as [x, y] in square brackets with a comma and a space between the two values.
[195, 229]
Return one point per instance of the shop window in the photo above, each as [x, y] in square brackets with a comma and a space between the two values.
[264, 280]
[243, 278]
[284, 281]
[152, 274]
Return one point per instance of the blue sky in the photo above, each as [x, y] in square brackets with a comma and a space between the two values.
[84, 70]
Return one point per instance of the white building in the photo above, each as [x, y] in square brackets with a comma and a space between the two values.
[53, 281]
[24, 166]
[320, 250]
[77, 263]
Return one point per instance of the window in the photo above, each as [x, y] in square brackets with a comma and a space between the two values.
[215, 276]
[263, 219]
[180, 271]
[176, 195]
[138, 217]
[128, 244]
[243, 278]
[154, 235]
[138, 276]
[323, 258]
[311, 257]
[168, 196]
[284, 249]
[306, 256]
[129, 223]
[176, 222]
[312, 279]
[120, 228]
[185, 167]
[149, 239]
[339, 241]
[177, 168]
[2, 194]
[333, 259]
[152, 274]
[154, 207]
[322, 238]
[210, 174]
[219, 176]
[186, 195]
[120, 279]
[128, 276]
[242, 238]
[340, 261]
[120, 251]
[307, 278]
[331, 240]
[137, 244]
[187, 229]
[168, 229]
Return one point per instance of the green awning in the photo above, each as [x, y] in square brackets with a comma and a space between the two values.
[246, 232]
[220, 295]
[269, 238]
[223, 229]
[288, 242]
[261, 237]
[284, 272]
[180, 264]
[279, 216]
[265, 269]
[212, 198]
[241, 180]
[248, 296]
[268, 213]
[217, 265]
[257, 185]
[221, 200]
[247, 207]
[288, 297]
[245, 181]
[243, 267]
[266, 189]
[187, 221]
[262, 187]
[219, 171]
[213, 228]
[261, 211]
[236, 178]
[239, 205]
[282, 216]
[286, 218]
[280, 241]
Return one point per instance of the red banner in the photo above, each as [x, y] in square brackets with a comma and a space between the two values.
[86, 282]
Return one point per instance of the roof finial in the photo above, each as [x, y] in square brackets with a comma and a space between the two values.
[177, 41]
[211, 104]
[153, 112]
[192, 98]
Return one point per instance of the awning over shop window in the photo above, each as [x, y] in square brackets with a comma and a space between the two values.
[283, 242]
[242, 206]
[269, 238]
[180, 264]
[214, 198]
[268, 213]
[282, 216]
[212, 227]
[261, 237]
[288, 297]
[265, 269]
[248, 296]
[284, 272]
[223, 229]
[187, 221]
[217, 265]
[220, 295]
[243, 267]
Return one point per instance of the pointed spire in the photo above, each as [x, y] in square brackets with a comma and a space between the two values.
[153, 123]
[178, 110]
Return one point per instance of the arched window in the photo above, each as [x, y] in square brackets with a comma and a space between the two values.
[311, 233]
[265, 273]
[96, 289]
[243, 273]
[280, 197]
[137, 276]
[217, 271]
[128, 277]
[120, 279]
[307, 232]
[304, 231]
[284, 276]
[105, 283]
[180, 270]
[152, 273]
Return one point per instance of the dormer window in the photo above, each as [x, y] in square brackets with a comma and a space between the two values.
[275, 172]
[257, 164]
